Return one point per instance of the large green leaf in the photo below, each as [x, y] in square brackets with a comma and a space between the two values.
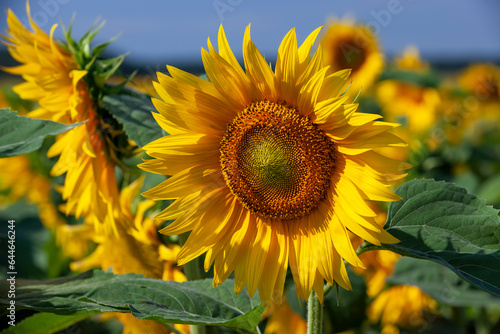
[46, 323]
[440, 283]
[441, 222]
[19, 134]
[194, 302]
[134, 113]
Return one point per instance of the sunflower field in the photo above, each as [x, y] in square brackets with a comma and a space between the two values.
[327, 189]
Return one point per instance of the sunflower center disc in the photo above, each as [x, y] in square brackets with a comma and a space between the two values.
[275, 161]
[347, 55]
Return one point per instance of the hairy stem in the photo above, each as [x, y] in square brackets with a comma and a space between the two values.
[314, 314]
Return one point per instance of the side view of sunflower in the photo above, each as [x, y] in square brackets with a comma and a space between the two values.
[270, 169]
[56, 79]
[348, 45]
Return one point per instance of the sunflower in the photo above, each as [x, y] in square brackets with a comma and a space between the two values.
[414, 105]
[473, 115]
[402, 306]
[51, 74]
[284, 320]
[482, 80]
[54, 79]
[18, 180]
[136, 250]
[410, 60]
[347, 45]
[269, 168]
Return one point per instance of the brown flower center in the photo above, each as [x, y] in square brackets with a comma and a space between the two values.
[275, 161]
[349, 54]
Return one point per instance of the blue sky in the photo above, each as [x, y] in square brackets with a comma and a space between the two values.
[168, 31]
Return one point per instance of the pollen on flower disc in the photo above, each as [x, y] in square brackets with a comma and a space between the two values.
[276, 161]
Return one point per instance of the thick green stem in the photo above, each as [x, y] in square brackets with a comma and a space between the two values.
[192, 272]
[366, 247]
[314, 314]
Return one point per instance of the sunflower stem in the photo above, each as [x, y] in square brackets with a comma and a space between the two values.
[366, 247]
[314, 314]
[192, 272]
[327, 289]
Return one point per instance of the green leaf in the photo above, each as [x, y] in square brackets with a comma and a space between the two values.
[134, 113]
[19, 134]
[193, 302]
[46, 323]
[441, 222]
[440, 283]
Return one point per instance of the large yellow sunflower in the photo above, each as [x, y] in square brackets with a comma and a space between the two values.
[270, 168]
[53, 79]
[347, 45]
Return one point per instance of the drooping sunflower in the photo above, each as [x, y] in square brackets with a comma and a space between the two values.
[348, 45]
[269, 168]
[55, 79]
